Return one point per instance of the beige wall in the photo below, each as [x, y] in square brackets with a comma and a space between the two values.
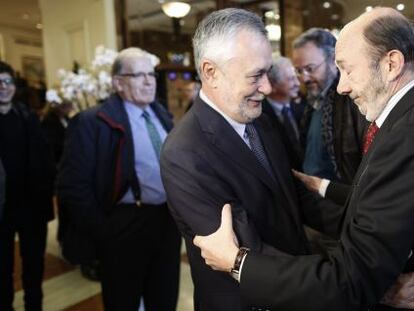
[73, 29]
[19, 44]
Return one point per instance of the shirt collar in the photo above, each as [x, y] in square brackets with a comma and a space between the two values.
[238, 127]
[277, 106]
[393, 102]
[4, 109]
[137, 111]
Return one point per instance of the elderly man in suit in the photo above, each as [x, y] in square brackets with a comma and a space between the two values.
[375, 58]
[111, 191]
[223, 150]
[282, 111]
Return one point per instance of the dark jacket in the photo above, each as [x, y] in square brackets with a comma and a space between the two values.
[377, 235]
[2, 188]
[349, 128]
[55, 133]
[39, 170]
[293, 148]
[205, 164]
[95, 172]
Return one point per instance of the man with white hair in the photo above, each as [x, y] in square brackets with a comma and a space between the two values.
[280, 109]
[223, 150]
[110, 188]
[375, 57]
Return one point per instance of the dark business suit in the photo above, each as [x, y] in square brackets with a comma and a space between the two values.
[377, 235]
[293, 146]
[205, 164]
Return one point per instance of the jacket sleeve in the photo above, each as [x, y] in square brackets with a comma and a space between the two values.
[196, 195]
[374, 246]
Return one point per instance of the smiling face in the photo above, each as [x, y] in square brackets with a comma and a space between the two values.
[316, 72]
[7, 88]
[239, 84]
[139, 90]
[362, 80]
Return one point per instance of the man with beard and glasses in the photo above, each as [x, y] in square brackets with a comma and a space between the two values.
[375, 57]
[223, 150]
[331, 128]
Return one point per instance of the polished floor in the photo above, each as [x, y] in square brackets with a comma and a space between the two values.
[65, 289]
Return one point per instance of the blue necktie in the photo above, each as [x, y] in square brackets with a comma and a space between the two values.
[290, 124]
[153, 134]
[257, 148]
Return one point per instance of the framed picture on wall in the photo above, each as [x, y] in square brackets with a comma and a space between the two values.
[33, 70]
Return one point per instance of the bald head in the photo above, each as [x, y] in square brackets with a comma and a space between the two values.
[383, 29]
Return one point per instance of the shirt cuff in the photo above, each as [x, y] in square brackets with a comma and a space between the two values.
[323, 186]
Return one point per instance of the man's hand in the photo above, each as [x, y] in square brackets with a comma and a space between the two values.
[401, 294]
[220, 248]
[311, 182]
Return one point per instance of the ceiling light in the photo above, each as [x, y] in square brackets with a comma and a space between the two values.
[25, 16]
[368, 8]
[334, 17]
[326, 5]
[400, 7]
[176, 9]
[269, 14]
[39, 26]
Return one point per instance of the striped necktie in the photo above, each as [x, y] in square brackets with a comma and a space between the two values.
[257, 148]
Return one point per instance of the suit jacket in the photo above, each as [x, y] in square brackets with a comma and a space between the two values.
[95, 172]
[376, 238]
[2, 188]
[205, 164]
[293, 148]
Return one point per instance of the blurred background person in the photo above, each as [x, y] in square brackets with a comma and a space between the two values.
[111, 193]
[29, 168]
[282, 111]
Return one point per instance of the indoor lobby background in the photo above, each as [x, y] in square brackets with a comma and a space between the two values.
[40, 37]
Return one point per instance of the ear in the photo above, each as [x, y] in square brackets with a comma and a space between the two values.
[209, 72]
[116, 84]
[394, 65]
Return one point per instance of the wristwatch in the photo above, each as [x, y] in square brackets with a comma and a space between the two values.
[235, 271]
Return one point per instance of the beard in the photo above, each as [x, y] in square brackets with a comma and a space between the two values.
[314, 95]
[377, 98]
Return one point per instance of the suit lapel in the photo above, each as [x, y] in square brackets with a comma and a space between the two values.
[221, 134]
[406, 103]
[278, 164]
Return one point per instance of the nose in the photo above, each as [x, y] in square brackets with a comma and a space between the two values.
[343, 85]
[265, 87]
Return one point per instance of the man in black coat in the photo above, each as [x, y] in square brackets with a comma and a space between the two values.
[223, 150]
[110, 190]
[375, 57]
[29, 169]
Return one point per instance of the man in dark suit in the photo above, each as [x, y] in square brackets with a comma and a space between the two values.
[375, 57]
[110, 189]
[282, 111]
[29, 169]
[223, 150]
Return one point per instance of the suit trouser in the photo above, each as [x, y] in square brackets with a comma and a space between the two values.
[140, 256]
[32, 240]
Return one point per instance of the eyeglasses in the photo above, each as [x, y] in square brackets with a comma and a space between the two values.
[309, 69]
[140, 75]
[7, 81]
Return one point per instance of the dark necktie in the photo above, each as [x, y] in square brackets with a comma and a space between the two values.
[369, 137]
[257, 148]
[290, 124]
[153, 133]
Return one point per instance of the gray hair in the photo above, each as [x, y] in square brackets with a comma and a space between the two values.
[276, 73]
[132, 53]
[216, 31]
[321, 38]
[392, 32]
